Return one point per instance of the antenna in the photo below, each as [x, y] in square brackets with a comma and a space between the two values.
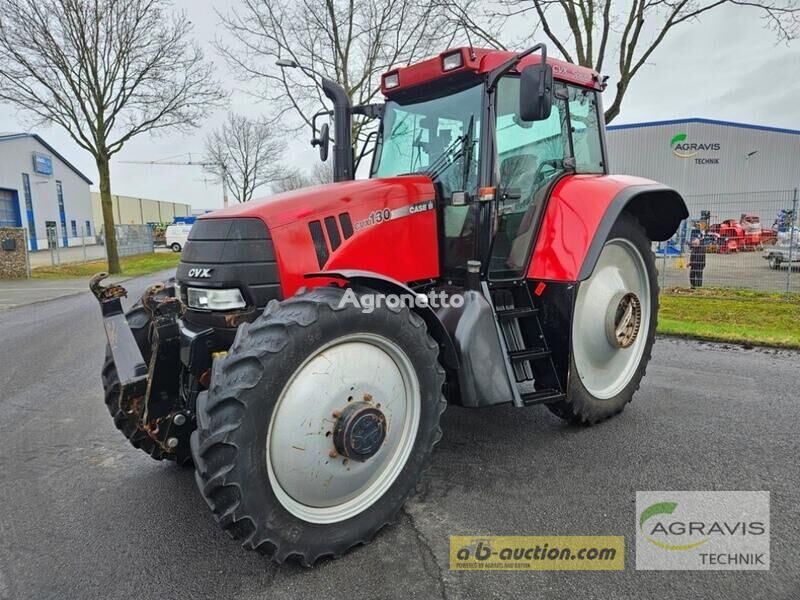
[463, 23]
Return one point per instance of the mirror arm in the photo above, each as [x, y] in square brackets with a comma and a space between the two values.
[498, 72]
[322, 113]
[371, 111]
[364, 149]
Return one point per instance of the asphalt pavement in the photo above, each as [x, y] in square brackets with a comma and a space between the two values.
[84, 515]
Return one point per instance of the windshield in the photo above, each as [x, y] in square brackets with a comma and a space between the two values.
[437, 136]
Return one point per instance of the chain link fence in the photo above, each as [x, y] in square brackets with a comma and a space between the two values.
[739, 240]
[87, 246]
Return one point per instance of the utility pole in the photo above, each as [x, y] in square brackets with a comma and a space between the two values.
[189, 163]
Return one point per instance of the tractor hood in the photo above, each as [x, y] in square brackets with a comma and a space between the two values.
[316, 202]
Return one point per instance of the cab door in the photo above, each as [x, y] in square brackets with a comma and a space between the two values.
[530, 158]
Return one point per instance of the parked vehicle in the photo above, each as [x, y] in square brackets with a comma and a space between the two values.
[310, 417]
[786, 251]
[780, 256]
[176, 236]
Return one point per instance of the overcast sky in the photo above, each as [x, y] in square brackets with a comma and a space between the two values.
[727, 66]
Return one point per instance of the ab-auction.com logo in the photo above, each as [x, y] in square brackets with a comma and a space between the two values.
[685, 149]
[702, 530]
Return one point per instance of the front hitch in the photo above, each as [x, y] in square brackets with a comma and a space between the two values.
[149, 390]
[131, 367]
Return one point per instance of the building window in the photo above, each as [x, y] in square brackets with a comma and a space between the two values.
[8, 209]
[61, 213]
[74, 224]
[88, 231]
[26, 186]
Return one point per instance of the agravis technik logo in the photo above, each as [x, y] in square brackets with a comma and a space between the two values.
[698, 530]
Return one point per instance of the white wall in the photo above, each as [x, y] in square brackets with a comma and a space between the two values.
[16, 158]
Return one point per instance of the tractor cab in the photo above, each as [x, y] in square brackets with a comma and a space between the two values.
[493, 143]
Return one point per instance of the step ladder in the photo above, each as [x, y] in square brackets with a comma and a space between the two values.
[523, 341]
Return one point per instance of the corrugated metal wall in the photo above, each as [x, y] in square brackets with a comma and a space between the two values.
[749, 162]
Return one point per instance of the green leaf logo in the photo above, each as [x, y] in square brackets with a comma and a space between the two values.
[678, 138]
[664, 508]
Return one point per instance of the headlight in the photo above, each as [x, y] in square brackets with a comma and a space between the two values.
[391, 80]
[452, 61]
[214, 299]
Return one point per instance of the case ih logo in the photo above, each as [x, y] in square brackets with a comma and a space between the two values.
[200, 273]
[683, 149]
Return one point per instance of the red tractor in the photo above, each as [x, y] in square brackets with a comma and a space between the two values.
[305, 351]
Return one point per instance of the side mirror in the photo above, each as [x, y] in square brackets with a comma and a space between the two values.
[323, 141]
[536, 92]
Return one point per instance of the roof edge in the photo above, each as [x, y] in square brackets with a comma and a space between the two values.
[56, 153]
[705, 122]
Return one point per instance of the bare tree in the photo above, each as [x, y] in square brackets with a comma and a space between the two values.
[245, 155]
[593, 33]
[106, 71]
[294, 178]
[349, 41]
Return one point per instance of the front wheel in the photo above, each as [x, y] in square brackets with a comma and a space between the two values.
[774, 262]
[317, 425]
[613, 327]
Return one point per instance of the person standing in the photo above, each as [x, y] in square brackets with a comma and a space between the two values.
[697, 263]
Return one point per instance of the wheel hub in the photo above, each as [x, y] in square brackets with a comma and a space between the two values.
[359, 431]
[623, 319]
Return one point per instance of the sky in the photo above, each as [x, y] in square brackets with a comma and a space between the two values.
[725, 66]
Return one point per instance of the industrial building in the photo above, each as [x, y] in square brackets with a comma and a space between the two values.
[129, 210]
[41, 191]
[743, 168]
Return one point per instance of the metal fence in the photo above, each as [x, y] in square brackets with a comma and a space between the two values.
[85, 246]
[745, 240]
[134, 239]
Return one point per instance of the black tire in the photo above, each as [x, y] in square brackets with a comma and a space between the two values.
[580, 406]
[774, 262]
[176, 247]
[229, 446]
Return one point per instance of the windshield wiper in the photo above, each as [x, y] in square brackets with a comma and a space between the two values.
[464, 145]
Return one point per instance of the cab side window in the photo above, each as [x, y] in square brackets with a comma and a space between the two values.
[585, 124]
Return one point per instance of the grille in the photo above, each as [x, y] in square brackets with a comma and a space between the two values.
[238, 252]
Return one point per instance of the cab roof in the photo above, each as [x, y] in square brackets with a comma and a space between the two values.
[479, 61]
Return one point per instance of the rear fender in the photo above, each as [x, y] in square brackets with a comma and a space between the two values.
[581, 212]
[387, 285]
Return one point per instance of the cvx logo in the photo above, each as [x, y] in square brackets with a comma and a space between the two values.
[200, 273]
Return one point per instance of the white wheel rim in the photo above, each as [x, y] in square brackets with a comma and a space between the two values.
[609, 331]
[308, 481]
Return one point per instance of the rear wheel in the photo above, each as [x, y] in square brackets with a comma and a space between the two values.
[613, 327]
[774, 262]
[176, 247]
[317, 425]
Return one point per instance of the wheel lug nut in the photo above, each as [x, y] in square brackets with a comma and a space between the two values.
[172, 442]
[179, 419]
